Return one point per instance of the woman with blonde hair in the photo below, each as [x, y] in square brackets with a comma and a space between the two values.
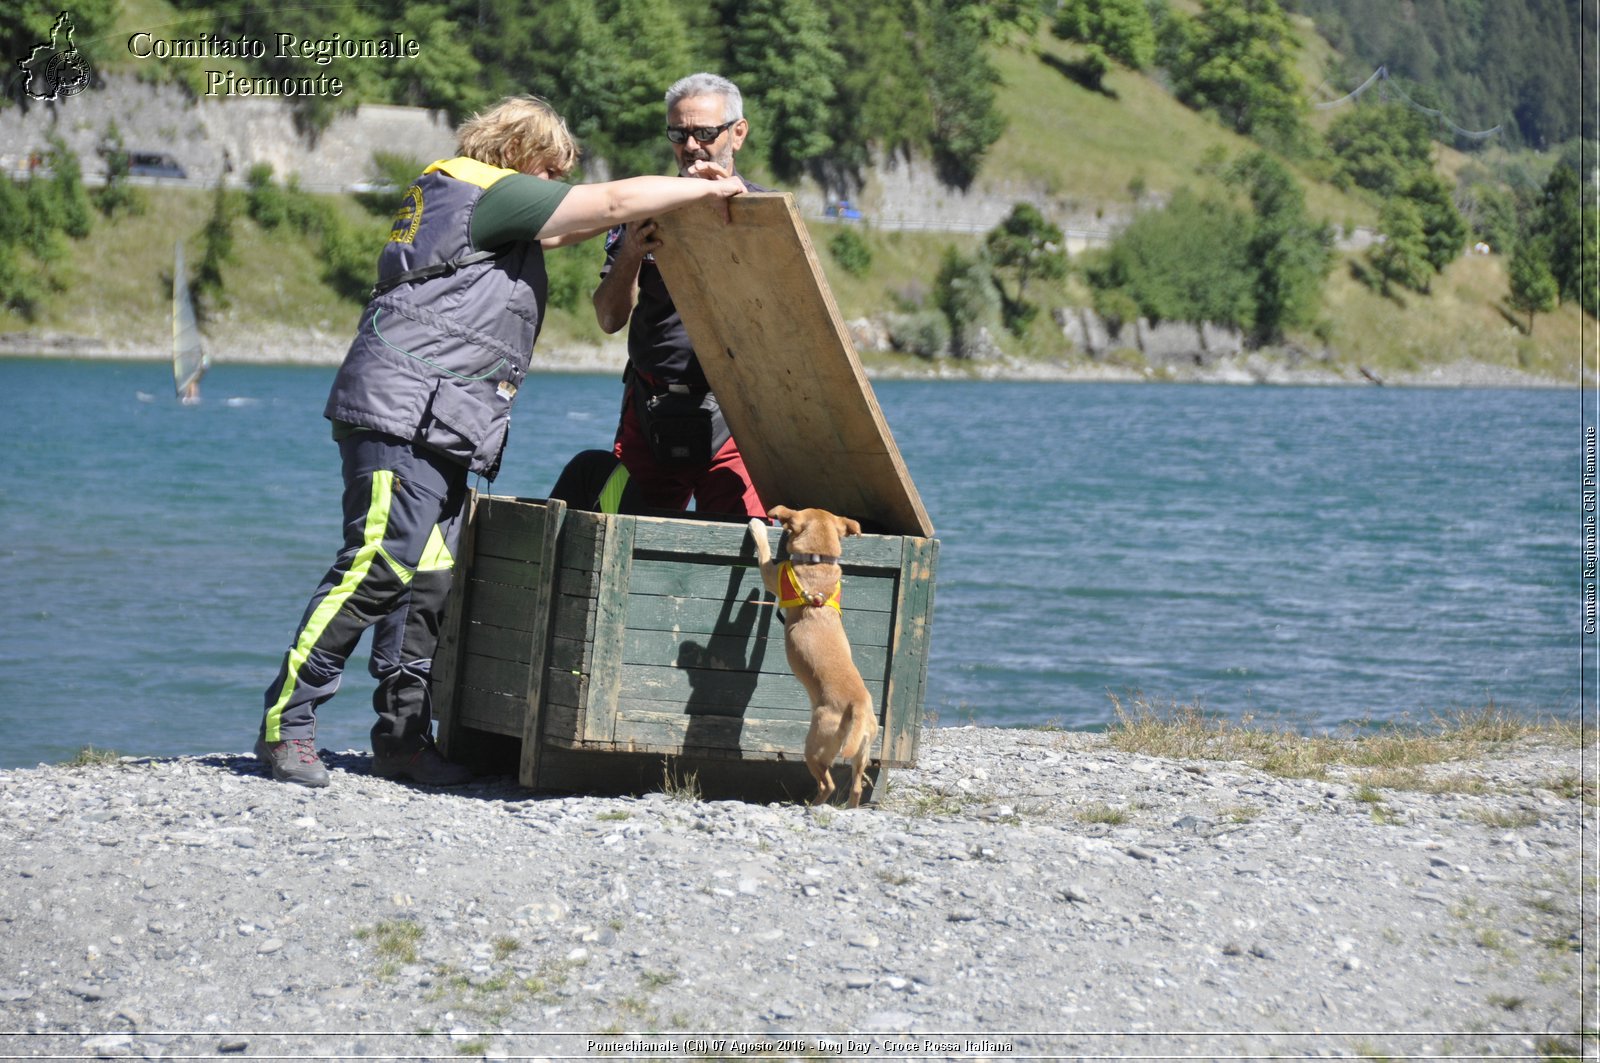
[424, 398]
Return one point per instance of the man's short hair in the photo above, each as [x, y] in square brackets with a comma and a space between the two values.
[703, 84]
[520, 133]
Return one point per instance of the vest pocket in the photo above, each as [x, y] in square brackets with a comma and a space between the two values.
[460, 427]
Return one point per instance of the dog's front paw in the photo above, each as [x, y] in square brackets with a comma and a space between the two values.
[758, 528]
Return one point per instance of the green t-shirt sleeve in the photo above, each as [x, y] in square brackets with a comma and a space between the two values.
[515, 208]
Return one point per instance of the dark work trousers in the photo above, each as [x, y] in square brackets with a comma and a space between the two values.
[402, 526]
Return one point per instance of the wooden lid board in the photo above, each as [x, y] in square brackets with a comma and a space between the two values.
[758, 309]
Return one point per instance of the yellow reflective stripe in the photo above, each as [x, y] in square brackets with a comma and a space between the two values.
[469, 170]
[371, 546]
[435, 556]
[400, 570]
[611, 493]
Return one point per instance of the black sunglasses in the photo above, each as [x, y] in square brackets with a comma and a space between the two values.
[703, 134]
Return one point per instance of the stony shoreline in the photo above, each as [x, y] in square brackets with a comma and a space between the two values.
[299, 346]
[1019, 893]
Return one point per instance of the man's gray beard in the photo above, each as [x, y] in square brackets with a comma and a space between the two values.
[725, 162]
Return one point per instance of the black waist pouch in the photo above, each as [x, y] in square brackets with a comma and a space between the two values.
[683, 428]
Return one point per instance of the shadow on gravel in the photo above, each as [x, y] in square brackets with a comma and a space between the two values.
[752, 784]
[499, 787]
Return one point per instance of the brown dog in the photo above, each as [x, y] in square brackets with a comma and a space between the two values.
[807, 586]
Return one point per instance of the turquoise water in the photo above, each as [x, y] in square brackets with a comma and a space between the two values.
[1323, 555]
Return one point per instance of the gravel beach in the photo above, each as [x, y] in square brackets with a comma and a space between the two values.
[1020, 893]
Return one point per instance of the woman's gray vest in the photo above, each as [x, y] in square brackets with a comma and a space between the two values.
[438, 360]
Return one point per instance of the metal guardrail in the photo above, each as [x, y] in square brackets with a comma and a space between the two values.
[1088, 236]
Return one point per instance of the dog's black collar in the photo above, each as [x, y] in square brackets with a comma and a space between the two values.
[813, 559]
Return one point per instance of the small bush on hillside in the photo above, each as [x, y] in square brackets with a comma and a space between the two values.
[350, 256]
[924, 333]
[1187, 262]
[266, 202]
[574, 272]
[1401, 258]
[965, 292]
[216, 242]
[1117, 308]
[851, 252]
[116, 196]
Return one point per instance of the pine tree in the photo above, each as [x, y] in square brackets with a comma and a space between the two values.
[216, 239]
[1379, 147]
[642, 49]
[1237, 58]
[1402, 257]
[1444, 230]
[1559, 224]
[785, 65]
[1027, 246]
[1290, 253]
[1121, 29]
[961, 89]
[881, 87]
[1533, 287]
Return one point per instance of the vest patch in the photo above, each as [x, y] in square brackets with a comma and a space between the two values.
[408, 218]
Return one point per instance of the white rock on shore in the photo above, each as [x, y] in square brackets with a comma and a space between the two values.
[1020, 892]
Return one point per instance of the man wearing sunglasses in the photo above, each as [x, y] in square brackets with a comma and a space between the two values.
[672, 437]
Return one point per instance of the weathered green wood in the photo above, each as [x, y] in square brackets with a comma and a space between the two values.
[908, 668]
[698, 616]
[673, 732]
[757, 715]
[505, 606]
[446, 675]
[542, 536]
[519, 573]
[734, 652]
[495, 674]
[611, 610]
[583, 538]
[727, 544]
[574, 618]
[872, 590]
[570, 655]
[695, 687]
[498, 643]
[512, 528]
[566, 699]
[488, 711]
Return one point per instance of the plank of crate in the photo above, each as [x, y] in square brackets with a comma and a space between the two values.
[775, 350]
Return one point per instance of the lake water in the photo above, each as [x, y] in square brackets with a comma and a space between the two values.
[1316, 555]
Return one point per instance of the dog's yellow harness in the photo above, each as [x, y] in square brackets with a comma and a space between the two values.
[791, 593]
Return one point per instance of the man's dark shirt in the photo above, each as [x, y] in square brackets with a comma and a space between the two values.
[658, 344]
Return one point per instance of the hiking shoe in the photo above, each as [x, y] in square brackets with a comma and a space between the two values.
[293, 760]
[423, 765]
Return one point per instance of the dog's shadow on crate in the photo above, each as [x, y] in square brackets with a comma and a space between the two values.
[724, 670]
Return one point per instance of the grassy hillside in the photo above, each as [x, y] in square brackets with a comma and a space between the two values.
[1078, 152]
[1465, 316]
[117, 282]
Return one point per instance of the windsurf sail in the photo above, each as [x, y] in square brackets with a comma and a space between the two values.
[189, 358]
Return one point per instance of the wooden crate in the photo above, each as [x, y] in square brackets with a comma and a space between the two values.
[620, 649]
[608, 645]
